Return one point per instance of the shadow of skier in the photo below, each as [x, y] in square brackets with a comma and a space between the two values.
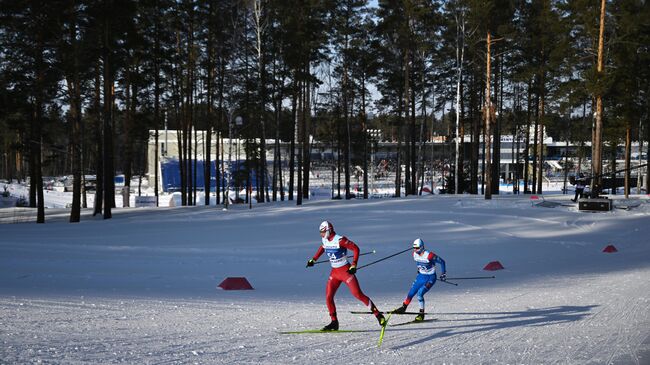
[491, 321]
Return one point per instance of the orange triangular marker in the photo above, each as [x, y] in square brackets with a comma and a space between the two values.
[494, 265]
[610, 249]
[235, 284]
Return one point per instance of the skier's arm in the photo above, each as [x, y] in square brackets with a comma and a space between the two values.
[318, 253]
[345, 242]
[441, 262]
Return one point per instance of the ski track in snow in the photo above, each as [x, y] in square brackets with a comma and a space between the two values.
[144, 292]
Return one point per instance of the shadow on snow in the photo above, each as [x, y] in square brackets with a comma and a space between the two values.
[502, 320]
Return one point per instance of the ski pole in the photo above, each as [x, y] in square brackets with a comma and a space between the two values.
[445, 281]
[473, 278]
[387, 257]
[361, 254]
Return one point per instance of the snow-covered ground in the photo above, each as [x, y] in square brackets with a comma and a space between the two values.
[141, 288]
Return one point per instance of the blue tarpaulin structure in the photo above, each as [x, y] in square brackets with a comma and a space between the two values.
[171, 174]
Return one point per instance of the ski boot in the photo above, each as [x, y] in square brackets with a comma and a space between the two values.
[381, 319]
[333, 326]
[399, 310]
[420, 317]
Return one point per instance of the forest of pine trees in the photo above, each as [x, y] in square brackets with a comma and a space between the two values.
[83, 82]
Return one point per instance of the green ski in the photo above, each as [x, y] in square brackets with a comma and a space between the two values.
[383, 329]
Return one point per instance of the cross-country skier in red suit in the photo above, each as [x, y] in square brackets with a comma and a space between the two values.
[336, 248]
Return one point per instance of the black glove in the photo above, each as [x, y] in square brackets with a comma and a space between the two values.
[310, 263]
[443, 277]
[353, 269]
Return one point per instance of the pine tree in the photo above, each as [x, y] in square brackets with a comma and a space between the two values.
[30, 29]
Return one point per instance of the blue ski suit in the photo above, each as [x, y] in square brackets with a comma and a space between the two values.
[425, 262]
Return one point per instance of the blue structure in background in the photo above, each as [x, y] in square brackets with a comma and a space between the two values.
[171, 175]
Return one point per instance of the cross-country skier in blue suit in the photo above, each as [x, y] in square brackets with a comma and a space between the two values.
[426, 262]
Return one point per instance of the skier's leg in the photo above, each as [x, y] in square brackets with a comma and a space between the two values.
[330, 290]
[419, 281]
[423, 290]
[353, 284]
[420, 294]
[415, 286]
[414, 289]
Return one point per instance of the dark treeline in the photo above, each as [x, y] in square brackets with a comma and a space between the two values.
[82, 82]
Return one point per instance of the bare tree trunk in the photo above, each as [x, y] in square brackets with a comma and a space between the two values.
[207, 159]
[277, 158]
[540, 146]
[192, 147]
[488, 122]
[364, 136]
[179, 115]
[516, 152]
[74, 93]
[398, 164]
[535, 142]
[260, 25]
[36, 173]
[412, 163]
[207, 141]
[596, 182]
[628, 152]
[613, 167]
[128, 148]
[292, 152]
[476, 136]
[566, 165]
[346, 116]
[277, 167]
[182, 150]
[220, 172]
[99, 160]
[638, 175]
[300, 140]
[75, 111]
[339, 142]
[647, 169]
[156, 107]
[404, 117]
[109, 171]
[460, 55]
[421, 144]
[36, 181]
[496, 144]
[456, 140]
[306, 115]
[527, 138]
[195, 164]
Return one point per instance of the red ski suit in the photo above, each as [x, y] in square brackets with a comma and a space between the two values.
[336, 248]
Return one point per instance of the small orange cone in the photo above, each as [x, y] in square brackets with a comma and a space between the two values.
[494, 265]
[231, 283]
[610, 249]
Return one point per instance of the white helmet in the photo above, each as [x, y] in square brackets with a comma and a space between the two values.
[418, 244]
[326, 226]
